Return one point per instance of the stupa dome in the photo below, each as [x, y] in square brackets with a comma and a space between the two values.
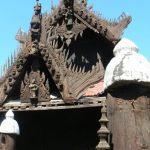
[9, 125]
[128, 66]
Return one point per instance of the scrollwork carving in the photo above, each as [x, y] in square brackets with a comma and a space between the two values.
[71, 80]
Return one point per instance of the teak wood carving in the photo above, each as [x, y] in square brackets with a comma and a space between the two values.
[51, 61]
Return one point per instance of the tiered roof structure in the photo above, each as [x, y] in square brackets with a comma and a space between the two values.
[63, 54]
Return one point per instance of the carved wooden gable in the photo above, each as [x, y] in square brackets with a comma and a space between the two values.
[63, 55]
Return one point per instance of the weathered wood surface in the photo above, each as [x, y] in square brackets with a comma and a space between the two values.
[58, 104]
[129, 123]
[7, 142]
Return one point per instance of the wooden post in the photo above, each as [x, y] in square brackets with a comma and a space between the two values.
[103, 132]
[7, 141]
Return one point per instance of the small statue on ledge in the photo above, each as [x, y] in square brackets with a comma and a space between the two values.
[33, 89]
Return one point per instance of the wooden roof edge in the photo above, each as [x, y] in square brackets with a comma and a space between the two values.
[113, 28]
[99, 24]
[11, 77]
[24, 39]
[21, 58]
[57, 104]
[120, 27]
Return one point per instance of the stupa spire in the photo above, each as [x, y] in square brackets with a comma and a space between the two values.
[36, 27]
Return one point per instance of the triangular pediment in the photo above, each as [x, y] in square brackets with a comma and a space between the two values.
[36, 77]
[70, 13]
[29, 81]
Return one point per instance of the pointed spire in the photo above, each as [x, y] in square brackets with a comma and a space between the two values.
[15, 55]
[52, 5]
[1, 72]
[18, 51]
[21, 36]
[12, 60]
[37, 2]
[4, 69]
[9, 62]
[37, 8]
[35, 28]
[6, 66]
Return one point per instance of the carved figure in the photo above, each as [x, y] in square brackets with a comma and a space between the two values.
[34, 48]
[35, 27]
[33, 89]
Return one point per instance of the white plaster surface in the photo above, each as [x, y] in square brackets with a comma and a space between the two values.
[127, 65]
[9, 125]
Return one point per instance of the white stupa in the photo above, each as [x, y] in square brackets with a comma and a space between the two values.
[9, 125]
[127, 66]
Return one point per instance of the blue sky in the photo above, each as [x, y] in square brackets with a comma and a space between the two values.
[17, 13]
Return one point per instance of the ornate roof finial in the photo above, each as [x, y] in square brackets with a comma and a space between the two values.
[37, 8]
[36, 27]
[37, 1]
[68, 3]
